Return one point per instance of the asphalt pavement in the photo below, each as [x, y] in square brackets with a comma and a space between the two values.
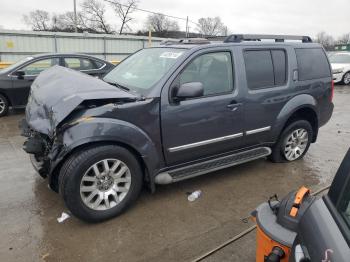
[163, 226]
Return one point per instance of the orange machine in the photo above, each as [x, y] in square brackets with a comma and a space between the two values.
[277, 223]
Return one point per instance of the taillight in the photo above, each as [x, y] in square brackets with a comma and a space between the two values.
[332, 91]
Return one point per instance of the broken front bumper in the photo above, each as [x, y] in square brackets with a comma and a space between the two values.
[36, 147]
[39, 166]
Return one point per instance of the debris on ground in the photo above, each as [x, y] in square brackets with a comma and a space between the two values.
[63, 217]
[43, 257]
[194, 195]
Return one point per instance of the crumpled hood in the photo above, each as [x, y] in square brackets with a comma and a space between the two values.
[57, 91]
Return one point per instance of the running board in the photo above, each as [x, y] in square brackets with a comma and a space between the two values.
[183, 173]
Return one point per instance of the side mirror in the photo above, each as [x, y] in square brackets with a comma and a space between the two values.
[20, 74]
[189, 90]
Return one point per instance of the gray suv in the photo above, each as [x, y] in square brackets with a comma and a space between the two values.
[174, 112]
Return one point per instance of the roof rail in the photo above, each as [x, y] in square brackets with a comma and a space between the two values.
[193, 41]
[237, 38]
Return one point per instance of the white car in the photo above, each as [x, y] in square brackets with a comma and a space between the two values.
[340, 63]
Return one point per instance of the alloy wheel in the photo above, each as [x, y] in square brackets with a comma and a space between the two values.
[296, 144]
[2, 105]
[105, 184]
[347, 78]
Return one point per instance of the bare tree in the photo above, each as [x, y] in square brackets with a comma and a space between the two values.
[66, 22]
[344, 39]
[211, 26]
[326, 40]
[159, 23]
[124, 11]
[94, 13]
[39, 20]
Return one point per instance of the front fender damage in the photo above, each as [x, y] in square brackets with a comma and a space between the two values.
[94, 131]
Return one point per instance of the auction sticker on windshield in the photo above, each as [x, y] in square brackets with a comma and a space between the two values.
[172, 55]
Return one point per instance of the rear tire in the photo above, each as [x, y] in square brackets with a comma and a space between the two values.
[293, 142]
[4, 106]
[100, 182]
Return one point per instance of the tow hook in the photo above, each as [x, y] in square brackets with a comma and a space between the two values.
[276, 255]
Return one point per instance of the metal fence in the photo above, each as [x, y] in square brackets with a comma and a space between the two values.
[15, 45]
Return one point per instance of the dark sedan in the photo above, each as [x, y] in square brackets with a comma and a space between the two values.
[15, 80]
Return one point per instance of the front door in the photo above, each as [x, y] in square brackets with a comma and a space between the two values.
[21, 85]
[208, 125]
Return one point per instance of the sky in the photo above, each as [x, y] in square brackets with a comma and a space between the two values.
[304, 17]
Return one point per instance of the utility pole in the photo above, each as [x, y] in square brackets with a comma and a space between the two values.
[187, 27]
[149, 36]
[75, 16]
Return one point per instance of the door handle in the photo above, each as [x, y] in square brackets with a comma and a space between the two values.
[233, 106]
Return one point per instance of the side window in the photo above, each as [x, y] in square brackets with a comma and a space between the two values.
[279, 66]
[72, 63]
[39, 66]
[213, 70]
[98, 64]
[259, 69]
[265, 68]
[88, 64]
[312, 63]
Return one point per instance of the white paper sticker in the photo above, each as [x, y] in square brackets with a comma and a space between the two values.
[171, 55]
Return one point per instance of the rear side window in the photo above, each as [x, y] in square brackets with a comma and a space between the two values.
[265, 68]
[279, 66]
[312, 63]
[72, 63]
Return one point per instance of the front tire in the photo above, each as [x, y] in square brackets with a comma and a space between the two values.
[100, 182]
[346, 78]
[293, 143]
[4, 106]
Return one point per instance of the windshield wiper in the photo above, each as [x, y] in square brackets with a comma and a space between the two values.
[119, 86]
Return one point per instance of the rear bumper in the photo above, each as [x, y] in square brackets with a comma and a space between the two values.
[326, 114]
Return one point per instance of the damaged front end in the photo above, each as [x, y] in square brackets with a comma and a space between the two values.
[38, 147]
[60, 99]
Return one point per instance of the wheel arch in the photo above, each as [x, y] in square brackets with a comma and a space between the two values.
[55, 171]
[101, 132]
[308, 114]
[300, 107]
[6, 96]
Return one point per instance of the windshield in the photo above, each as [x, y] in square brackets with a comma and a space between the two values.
[141, 71]
[340, 59]
[13, 66]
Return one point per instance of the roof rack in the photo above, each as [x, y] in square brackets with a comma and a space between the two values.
[193, 41]
[237, 38]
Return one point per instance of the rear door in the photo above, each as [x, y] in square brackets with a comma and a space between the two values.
[86, 65]
[269, 87]
[21, 85]
[324, 232]
[208, 125]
